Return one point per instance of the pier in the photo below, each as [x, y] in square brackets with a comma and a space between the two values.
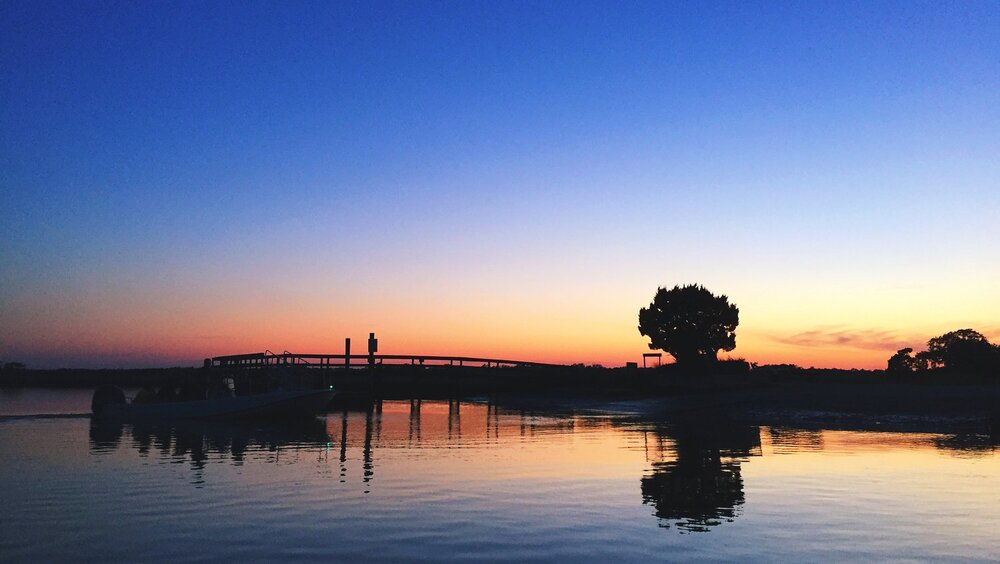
[371, 359]
[348, 361]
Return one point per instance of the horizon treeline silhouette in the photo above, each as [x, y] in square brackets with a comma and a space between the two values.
[960, 351]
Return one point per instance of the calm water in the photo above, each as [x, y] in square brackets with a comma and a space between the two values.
[436, 481]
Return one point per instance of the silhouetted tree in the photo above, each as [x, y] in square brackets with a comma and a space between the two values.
[690, 323]
[922, 360]
[962, 350]
[904, 361]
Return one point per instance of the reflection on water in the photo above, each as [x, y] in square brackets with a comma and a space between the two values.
[974, 444]
[701, 487]
[197, 441]
[788, 441]
[692, 480]
[448, 480]
[373, 425]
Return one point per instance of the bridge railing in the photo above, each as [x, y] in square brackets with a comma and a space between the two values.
[267, 358]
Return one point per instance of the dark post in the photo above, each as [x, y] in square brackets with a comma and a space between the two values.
[372, 349]
[347, 352]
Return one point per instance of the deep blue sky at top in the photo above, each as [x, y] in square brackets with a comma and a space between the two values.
[141, 139]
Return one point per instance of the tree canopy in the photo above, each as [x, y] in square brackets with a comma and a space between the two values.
[905, 361]
[690, 323]
[962, 350]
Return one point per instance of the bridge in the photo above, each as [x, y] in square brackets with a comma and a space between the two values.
[329, 361]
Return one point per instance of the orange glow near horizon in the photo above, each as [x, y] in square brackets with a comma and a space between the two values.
[143, 325]
[156, 340]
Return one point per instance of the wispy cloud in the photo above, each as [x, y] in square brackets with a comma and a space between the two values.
[871, 339]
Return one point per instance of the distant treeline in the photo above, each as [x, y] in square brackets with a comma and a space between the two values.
[778, 373]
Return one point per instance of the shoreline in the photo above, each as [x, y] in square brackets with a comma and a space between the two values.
[649, 392]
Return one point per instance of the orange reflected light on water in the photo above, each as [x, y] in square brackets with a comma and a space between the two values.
[586, 441]
[484, 433]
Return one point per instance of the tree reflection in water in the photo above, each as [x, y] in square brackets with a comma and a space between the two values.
[701, 487]
[969, 444]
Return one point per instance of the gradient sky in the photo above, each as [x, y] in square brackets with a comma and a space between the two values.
[495, 179]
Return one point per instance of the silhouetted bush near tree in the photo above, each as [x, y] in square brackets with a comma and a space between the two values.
[961, 351]
[690, 323]
[904, 361]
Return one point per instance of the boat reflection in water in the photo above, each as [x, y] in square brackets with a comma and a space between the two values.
[198, 441]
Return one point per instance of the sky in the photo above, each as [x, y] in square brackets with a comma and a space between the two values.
[497, 179]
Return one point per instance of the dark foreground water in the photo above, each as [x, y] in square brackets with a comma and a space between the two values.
[436, 481]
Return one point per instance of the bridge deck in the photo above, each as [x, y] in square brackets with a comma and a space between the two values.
[267, 358]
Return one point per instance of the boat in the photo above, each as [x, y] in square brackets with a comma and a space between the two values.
[276, 392]
[267, 405]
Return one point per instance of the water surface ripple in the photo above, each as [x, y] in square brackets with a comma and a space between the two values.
[438, 481]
